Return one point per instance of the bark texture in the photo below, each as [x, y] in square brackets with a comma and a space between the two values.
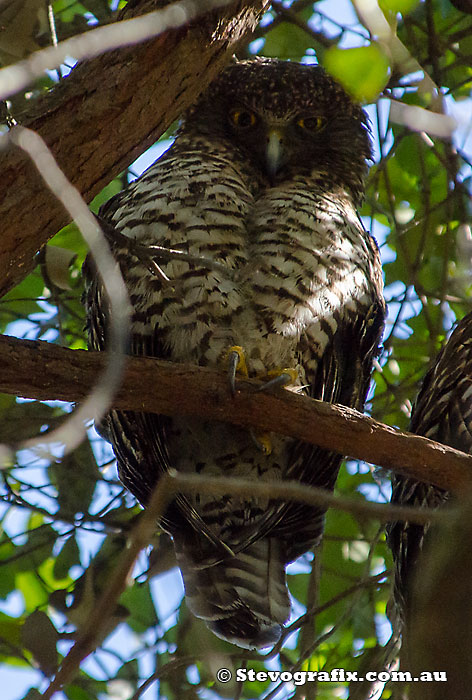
[40, 370]
[104, 115]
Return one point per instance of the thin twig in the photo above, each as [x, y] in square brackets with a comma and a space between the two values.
[306, 617]
[73, 430]
[17, 77]
[89, 633]
[294, 491]
[149, 253]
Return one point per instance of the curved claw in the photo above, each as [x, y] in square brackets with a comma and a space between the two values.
[233, 361]
[236, 365]
[282, 378]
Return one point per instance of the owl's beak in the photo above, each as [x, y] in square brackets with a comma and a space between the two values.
[274, 151]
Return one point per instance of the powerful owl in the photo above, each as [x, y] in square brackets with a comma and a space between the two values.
[442, 412]
[258, 194]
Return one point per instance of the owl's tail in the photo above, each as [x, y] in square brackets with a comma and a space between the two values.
[244, 598]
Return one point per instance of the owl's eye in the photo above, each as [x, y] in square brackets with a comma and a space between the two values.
[242, 118]
[312, 123]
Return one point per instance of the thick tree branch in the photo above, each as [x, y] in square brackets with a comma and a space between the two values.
[39, 370]
[99, 119]
[440, 634]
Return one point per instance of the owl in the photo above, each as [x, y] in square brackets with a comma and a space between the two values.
[260, 191]
[442, 412]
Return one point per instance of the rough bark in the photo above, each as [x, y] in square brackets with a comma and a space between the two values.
[441, 628]
[105, 114]
[39, 370]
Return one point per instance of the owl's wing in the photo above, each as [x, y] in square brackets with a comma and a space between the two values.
[342, 377]
[139, 439]
[442, 412]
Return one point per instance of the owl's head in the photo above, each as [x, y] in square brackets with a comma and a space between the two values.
[287, 119]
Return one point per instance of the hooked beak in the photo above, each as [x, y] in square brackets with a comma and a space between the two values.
[274, 151]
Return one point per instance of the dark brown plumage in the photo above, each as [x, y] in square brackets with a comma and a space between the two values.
[442, 412]
[262, 185]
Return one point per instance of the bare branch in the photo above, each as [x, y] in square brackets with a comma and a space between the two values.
[105, 114]
[97, 620]
[39, 370]
[73, 430]
[97, 41]
[439, 637]
[294, 491]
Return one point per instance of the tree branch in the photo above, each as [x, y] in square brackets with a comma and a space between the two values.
[439, 637]
[105, 114]
[39, 370]
[89, 633]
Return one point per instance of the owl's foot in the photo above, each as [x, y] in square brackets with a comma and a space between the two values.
[236, 365]
[262, 440]
[274, 378]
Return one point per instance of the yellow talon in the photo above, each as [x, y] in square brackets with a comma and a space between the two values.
[279, 378]
[240, 365]
[292, 375]
[263, 441]
[237, 365]
[236, 360]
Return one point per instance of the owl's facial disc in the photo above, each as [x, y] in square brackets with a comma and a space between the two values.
[260, 137]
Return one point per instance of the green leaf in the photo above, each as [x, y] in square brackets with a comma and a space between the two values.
[68, 10]
[7, 577]
[67, 557]
[75, 477]
[24, 420]
[402, 6]
[32, 694]
[10, 632]
[75, 692]
[298, 584]
[38, 547]
[287, 41]
[138, 600]
[363, 72]
[107, 193]
[129, 671]
[20, 302]
[40, 637]
[32, 589]
[52, 582]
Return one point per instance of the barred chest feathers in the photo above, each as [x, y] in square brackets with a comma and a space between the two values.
[290, 261]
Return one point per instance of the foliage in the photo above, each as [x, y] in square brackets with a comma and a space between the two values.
[63, 523]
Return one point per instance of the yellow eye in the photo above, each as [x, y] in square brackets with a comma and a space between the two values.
[312, 123]
[242, 118]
